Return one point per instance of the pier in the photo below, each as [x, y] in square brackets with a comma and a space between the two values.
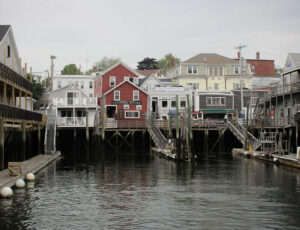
[31, 165]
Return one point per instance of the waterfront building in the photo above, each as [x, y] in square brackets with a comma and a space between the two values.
[84, 82]
[211, 71]
[119, 95]
[148, 72]
[162, 96]
[71, 105]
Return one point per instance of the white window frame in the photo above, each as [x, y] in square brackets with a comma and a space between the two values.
[134, 96]
[236, 70]
[112, 80]
[134, 111]
[126, 78]
[115, 98]
[210, 101]
[82, 84]
[180, 100]
[164, 99]
[216, 86]
[126, 106]
[194, 69]
[138, 107]
[91, 85]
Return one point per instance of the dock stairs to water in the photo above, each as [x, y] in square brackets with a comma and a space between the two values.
[239, 131]
[50, 133]
[162, 144]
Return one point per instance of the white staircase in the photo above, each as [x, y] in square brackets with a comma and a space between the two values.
[50, 133]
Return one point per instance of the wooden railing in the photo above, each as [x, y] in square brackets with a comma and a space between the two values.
[15, 113]
[10, 75]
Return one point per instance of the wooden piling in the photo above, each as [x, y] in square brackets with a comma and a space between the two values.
[170, 126]
[2, 133]
[206, 142]
[4, 93]
[246, 130]
[24, 149]
[297, 133]
[103, 115]
[178, 142]
[87, 135]
[290, 139]
[39, 138]
[190, 130]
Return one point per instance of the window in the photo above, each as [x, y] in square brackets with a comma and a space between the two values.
[132, 114]
[215, 101]
[173, 102]
[215, 71]
[136, 95]
[236, 85]
[253, 100]
[253, 68]
[112, 81]
[210, 71]
[82, 84]
[126, 106]
[8, 51]
[59, 84]
[192, 69]
[164, 102]
[182, 102]
[91, 84]
[126, 78]
[193, 85]
[131, 79]
[236, 70]
[138, 107]
[91, 95]
[76, 83]
[117, 95]
[216, 86]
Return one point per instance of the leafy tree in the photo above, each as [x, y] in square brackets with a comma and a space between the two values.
[37, 90]
[278, 69]
[166, 63]
[107, 62]
[71, 69]
[147, 63]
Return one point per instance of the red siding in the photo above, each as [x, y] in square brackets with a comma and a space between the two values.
[126, 94]
[119, 72]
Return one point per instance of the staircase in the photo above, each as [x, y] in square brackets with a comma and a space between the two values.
[239, 131]
[50, 133]
[157, 136]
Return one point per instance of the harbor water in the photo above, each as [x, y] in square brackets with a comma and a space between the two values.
[126, 191]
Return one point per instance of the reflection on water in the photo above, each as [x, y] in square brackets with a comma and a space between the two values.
[143, 193]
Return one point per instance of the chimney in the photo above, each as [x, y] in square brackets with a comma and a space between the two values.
[94, 69]
[238, 54]
[257, 55]
[172, 62]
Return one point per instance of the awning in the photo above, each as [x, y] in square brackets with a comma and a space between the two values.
[218, 110]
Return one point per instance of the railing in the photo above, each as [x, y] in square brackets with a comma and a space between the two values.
[75, 101]
[157, 136]
[273, 122]
[9, 74]
[11, 112]
[201, 124]
[71, 121]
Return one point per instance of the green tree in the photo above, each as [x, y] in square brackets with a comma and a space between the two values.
[46, 82]
[166, 63]
[37, 90]
[278, 70]
[147, 63]
[107, 62]
[71, 69]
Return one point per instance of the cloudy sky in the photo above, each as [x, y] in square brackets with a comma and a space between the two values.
[84, 31]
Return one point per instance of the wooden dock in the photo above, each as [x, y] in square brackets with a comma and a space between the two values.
[31, 165]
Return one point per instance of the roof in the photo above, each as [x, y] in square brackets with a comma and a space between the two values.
[3, 31]
[123, 82]
[211, 58]
[147, 72]
[292, 62]
[120, 63]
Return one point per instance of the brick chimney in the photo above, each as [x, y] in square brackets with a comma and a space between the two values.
[172, 62]
[238, 54]
[257, 55]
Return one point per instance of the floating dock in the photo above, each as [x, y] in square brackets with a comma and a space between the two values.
[31, 165]
[287, 160]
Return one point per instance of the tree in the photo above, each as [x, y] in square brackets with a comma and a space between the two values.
[147, 63]
[278, 70]
[166, 63]
[71, 69]
[37, 90]
[107, 62]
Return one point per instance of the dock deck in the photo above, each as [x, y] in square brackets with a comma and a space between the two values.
[32, 165]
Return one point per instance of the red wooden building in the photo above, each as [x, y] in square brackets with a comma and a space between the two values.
[124, 100]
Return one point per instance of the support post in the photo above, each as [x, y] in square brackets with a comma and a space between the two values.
[30, 78]
[87, 135]
[178, 143]
[290, 139]
[1, 144]
[297, 133]
[4, 93]
[26, 101]
[13, 96]
[23, 127]
[246, 130]
[20, 98]
[170, 126]
[206, 142]
[103, 118]
[39, 138]
[190, 128]
[20, 66]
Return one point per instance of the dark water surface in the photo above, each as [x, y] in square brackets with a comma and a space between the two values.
[144, 193]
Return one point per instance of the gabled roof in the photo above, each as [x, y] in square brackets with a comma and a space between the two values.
[210, 58]
[148, 72]
[142, 81]
[3, 31]
[123, 64]
[292, 62]
[59, 92]
[123, 82]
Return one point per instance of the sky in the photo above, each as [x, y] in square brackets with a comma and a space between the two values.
[84, 31]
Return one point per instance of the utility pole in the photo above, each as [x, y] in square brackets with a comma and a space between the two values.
[52, 57]
[240, 47]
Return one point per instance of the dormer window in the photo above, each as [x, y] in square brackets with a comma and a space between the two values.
[253, 68]
[192, 69]
[112, 81]
[236, 70]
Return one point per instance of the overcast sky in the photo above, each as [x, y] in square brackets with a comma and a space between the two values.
[84, 31]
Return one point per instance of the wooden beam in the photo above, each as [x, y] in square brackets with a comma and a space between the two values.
[13, 96]
[4, 93]
[25, 71]
[20, 66]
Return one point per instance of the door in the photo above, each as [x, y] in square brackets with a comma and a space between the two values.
[111, 111]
